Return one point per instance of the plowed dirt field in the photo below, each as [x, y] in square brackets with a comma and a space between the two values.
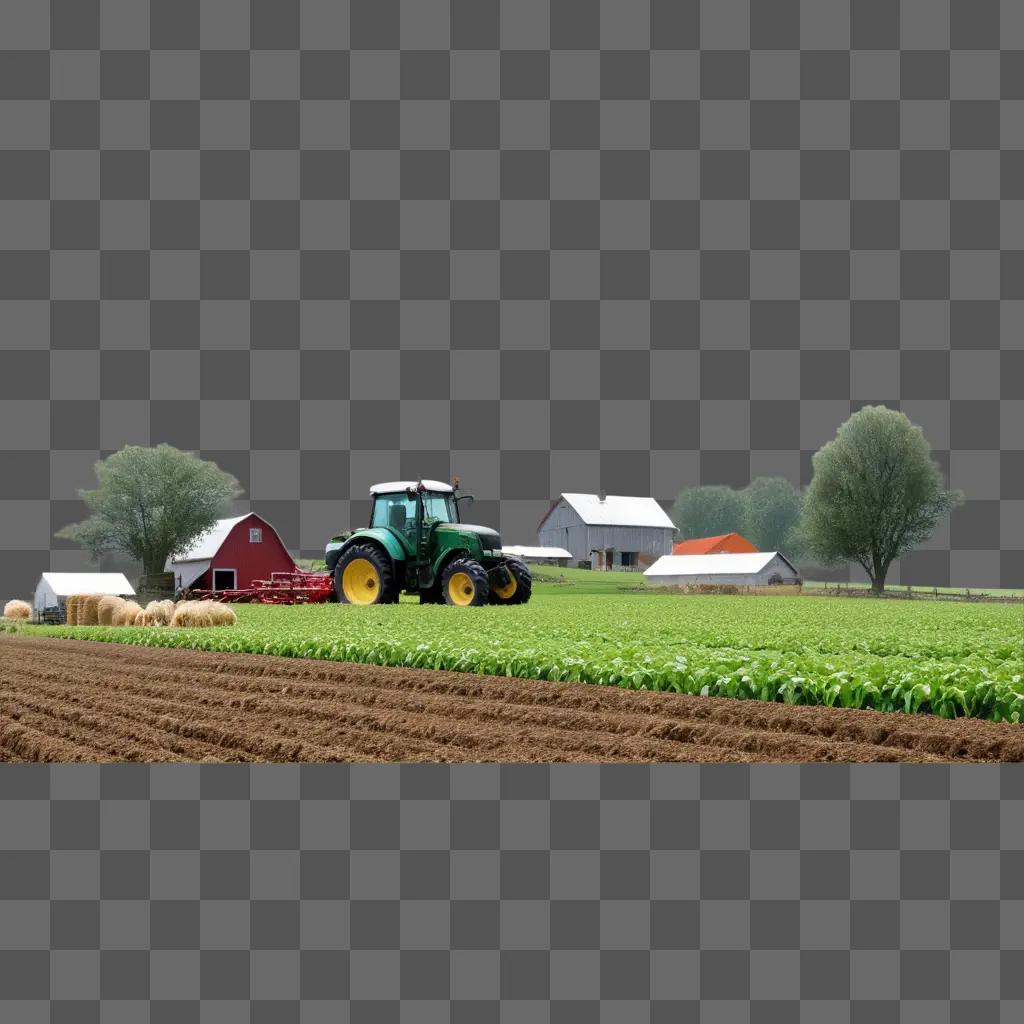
[73, 700]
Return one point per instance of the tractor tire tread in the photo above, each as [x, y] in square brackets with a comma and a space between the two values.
[524, 583]
[382, 563]
[475, 571]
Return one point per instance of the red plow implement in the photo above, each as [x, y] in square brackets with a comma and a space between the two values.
[281, 588]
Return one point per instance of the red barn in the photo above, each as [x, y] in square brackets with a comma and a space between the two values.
[233, 554]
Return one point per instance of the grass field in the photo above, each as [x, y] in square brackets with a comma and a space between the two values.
[951, 659]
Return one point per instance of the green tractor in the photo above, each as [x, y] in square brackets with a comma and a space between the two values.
[416, 543]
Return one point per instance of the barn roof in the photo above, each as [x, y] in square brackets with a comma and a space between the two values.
[65, 583]
[616, 510]
[527, 552]
[206, 546]
[726, 564]
[727, 542]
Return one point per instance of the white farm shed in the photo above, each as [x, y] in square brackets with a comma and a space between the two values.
[557, 555]
[54, 588]
[611, 531]
[745, 569]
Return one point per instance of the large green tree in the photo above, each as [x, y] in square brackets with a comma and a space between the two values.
[708, 511]
[151, 504]
[771, 515]
[876, 493]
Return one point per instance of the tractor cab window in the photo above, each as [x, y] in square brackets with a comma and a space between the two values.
[395, 510]
[398, 510]
[439, 506]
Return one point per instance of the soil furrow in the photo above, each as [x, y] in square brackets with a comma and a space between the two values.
[407, 720]
[71, 700]
[312, 702]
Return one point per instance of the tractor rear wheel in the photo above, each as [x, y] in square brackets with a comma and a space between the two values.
[518, 590]
[464, 583]
[364, 575]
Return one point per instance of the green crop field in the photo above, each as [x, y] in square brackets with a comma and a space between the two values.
[950, 659]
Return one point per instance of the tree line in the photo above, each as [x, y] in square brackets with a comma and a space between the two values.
[875, 494]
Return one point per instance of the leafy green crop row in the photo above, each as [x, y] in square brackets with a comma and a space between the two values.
[948, 659]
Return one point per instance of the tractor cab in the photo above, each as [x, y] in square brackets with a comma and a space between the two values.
[400, 510]
[417, 543]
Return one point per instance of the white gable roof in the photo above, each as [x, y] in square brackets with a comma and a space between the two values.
[525, 552]
[404, 485]
[205, 547]
[65, 583]
[726, 564]
[618, 510]
[186, 573]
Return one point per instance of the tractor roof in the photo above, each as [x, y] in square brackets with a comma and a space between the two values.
[403, 485]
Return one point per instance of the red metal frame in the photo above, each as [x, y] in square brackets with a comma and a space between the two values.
[282, 588]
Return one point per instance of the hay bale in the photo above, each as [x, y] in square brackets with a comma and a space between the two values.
[156, 614]
[182, 617]
[127, 615]
[168, 611]
[222, 615]
[108, 608]
[202, 614]
[191, 615]
[88, 610]
[71, 609]
[17, 610]
[140, 619]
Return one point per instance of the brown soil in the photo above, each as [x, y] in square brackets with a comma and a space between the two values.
[74, 700]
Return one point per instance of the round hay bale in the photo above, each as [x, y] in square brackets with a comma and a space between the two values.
[183, 615]
[71, 609]
[168, 611]
[17, 610]
[108, 608]
[87, 610]
[193, 615]
[222, 615]
[127, 615]
[156, 614]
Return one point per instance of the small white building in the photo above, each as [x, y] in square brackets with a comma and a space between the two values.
[54, 588]
[555, 556]
[745, 569]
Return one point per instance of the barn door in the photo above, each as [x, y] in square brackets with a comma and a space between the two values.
[224, 579]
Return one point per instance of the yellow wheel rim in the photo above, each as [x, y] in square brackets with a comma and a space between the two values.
[461, 589]
[360, 582]
[509, 589]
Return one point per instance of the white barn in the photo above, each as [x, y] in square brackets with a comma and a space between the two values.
[745, 569]
[611, 531]
[54, 588]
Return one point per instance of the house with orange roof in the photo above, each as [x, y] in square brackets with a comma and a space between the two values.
[726, 543]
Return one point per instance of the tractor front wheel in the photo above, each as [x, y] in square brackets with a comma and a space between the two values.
[464, 583]
[519, 587]
[364, 575]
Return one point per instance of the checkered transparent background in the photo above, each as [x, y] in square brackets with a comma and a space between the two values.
[546, 245]
[479, 894]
